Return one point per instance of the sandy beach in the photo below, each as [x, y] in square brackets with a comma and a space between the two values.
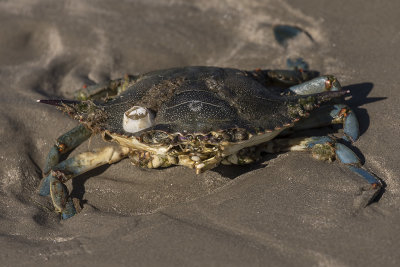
[287, 210]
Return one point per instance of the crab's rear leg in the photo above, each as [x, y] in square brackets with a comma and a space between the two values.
[64, 144]
[75, 166]
[326, 148]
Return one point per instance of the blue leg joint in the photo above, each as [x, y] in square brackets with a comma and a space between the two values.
[343, 114]
[346, 156]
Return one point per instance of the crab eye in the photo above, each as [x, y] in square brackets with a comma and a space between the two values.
[136, 119]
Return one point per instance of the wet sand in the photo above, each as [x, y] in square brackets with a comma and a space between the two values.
[288, 210]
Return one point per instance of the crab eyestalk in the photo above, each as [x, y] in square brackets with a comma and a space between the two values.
[136, 119]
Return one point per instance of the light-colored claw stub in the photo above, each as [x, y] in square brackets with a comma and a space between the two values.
[136, 119]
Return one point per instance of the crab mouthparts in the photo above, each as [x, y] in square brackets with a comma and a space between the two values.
[136, 119]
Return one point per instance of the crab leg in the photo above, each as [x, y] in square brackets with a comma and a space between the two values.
[207, 164]
[335, 114]
[326, 148]
[75, 166]
[65, 143]
[340, 113]
[317, 85]
[343, 114]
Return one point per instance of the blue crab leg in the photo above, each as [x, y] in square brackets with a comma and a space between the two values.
[333, 114]
[317, 85]
[64, 144]
[75, 166]
[340, 113]
[326, 148]
[343, 114]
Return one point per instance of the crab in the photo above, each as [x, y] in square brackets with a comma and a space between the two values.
[200, 117]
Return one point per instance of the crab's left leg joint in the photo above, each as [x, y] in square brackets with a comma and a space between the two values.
[317, 85]
[75, 166]
[65, 143]
[343, 114]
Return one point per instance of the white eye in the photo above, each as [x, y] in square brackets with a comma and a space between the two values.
[136, 119]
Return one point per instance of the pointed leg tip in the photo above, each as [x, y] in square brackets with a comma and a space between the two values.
[69, 210]
[376, 186]
[44, 192]
[65, 216]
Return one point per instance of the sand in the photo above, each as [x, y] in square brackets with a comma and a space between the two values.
[288, 210]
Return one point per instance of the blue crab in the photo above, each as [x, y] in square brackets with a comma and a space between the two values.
[201, 117]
